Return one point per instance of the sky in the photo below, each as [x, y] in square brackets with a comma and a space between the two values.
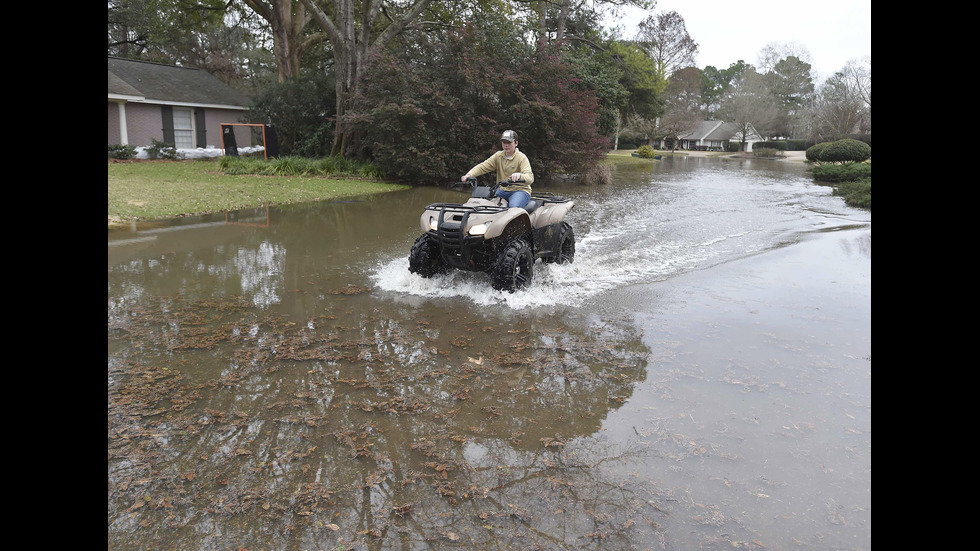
[834, 31]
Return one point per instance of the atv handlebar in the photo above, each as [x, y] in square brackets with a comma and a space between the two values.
[485, 192]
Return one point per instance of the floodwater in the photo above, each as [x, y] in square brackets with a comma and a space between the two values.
[699, 377]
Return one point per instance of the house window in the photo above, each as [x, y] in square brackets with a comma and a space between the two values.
[183, 128]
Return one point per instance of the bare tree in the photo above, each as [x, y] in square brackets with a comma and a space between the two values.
[857, 73]
[772, 53]
[840, 109]
[682, 110]
[750, 104]
[664, 36]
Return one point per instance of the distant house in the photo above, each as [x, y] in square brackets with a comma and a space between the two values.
[713, 136]
[175, 105]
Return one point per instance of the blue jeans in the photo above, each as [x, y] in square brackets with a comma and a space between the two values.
[514, 198]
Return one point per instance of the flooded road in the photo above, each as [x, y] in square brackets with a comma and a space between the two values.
[699, 377]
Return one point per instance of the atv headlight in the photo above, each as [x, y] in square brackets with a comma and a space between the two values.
[433, 222]
[479, 229]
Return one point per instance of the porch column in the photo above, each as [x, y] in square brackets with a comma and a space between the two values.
[123, 134]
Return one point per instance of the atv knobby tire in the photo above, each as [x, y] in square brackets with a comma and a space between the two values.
[424, 259]
[514, 267]
[565, 251]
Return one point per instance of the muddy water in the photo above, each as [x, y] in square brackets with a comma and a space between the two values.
[699, 377]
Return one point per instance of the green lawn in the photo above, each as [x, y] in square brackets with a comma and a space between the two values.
[146, 190]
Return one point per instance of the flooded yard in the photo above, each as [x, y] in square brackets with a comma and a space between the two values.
[699, 377]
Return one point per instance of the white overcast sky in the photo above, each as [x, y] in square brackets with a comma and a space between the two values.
[834, 31]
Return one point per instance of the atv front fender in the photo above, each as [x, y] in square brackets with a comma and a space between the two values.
[510, 224]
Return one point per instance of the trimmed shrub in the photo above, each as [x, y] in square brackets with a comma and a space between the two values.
[813, 152]
[840, 151]
[846, 151]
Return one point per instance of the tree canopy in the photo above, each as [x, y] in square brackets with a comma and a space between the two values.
[423, 87]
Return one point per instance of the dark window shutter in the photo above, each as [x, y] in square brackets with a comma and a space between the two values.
[202, 131]
[167, 112]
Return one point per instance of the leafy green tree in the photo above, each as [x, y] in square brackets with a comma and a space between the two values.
[792, 87]
[301, 110]
[716, 85]
[159, 30]
[219, 37]
[641, 77]
[432, 121]
[606, 79]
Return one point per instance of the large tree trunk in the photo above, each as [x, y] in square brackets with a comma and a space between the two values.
[286, 20]
[351, 49]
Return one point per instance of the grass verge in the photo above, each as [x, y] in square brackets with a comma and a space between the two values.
[148, 190]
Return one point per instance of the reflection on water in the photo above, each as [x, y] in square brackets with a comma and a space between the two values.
[277, 378]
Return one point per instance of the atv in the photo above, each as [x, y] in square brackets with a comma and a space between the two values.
[485, 235]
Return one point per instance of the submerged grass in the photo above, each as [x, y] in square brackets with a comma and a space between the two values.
[147, 190]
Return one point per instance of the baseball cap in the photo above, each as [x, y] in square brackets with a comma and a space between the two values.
[509, 135]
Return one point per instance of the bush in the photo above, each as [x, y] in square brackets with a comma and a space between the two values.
[767, 152]
[301, 110]
[856, 194]
[813, 152]
[844, 166]
[299, 166]
[781, 145]
[848, 172]
[846, 151]
[645, 151]
[162, 150]
[840, 151]
[598, 175]
[118, 151]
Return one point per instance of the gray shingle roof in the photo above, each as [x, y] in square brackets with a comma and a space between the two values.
[170, 84]
[710, 130]
[718, 131]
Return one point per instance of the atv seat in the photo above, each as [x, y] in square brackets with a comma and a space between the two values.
[531, 206]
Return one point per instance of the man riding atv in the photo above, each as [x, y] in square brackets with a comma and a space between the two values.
[510, 165]
[501, 230]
